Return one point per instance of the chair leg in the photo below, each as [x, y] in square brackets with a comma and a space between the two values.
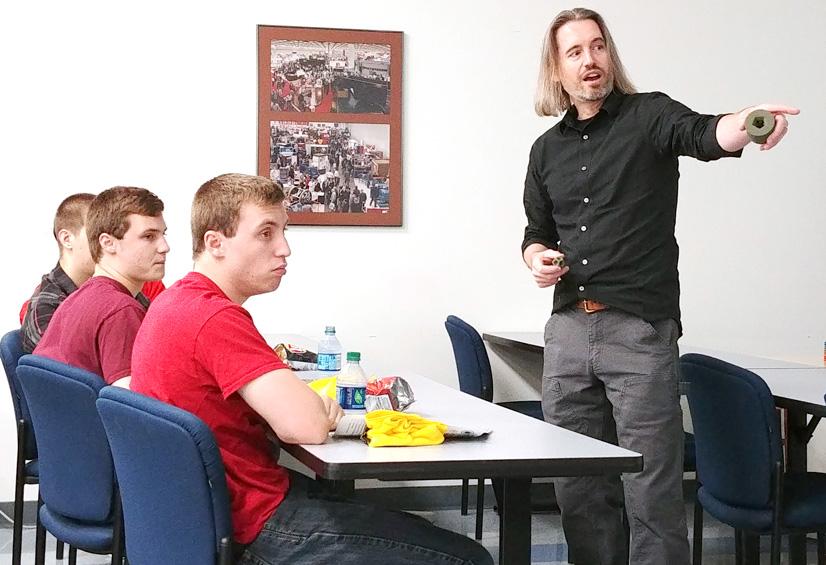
[17, 527]
[738, 547]
[697, 557]
[58, 552]
[480, 506]
[72, 555]
[821, 548]
[775, 550]
[40, 538]
[465, 486]
[117, 532]
[626, 530]
[751, 548]
[19, 484]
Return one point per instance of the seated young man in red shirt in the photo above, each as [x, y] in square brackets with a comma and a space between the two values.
[95, 327]
[219, 367]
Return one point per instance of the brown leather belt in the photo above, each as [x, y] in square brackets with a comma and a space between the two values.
[591, 306]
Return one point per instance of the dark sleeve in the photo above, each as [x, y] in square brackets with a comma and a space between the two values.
[41, 309]
[541, 226]
[676, 130]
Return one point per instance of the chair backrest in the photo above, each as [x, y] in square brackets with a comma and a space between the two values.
[11, 350]
[77, 479]
[472, 361]
[736, 431]
[171, 478]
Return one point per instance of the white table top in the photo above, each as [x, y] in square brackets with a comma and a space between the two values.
[536, 341]
[792, 384]
[801, 389]
[519, 446]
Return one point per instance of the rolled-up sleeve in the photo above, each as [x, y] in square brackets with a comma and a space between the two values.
[541, 227]
[676, 130]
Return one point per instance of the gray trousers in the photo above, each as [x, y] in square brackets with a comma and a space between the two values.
[613, 376]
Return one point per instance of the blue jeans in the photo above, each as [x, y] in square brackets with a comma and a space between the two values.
[309, 530]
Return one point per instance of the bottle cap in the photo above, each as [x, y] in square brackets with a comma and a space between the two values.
[330, 330]
[353, 356]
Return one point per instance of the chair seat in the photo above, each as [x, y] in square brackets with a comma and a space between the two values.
[804, 506]
[96, 538]
[532, 408]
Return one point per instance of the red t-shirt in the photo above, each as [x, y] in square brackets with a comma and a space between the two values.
[94, 329]
[195, 349]
[151, 289]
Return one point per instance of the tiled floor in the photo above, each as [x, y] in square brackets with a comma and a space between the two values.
[548, 543]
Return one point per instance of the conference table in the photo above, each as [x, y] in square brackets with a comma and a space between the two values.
[796, 387]
[517, 449]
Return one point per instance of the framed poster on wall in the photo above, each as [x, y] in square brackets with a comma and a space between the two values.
[329, 123]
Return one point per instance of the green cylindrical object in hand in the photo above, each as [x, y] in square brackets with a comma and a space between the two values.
[759, 125]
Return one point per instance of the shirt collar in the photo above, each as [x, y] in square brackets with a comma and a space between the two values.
[610, 106]
[61, 279]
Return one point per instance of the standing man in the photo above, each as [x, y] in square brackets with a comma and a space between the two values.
[220, 368]
[74, 267]
[95, 327]
[601, 190]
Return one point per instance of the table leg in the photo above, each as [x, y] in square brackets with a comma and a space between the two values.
[333, 489]
[515, 522]
[750, 549]
[796, 461]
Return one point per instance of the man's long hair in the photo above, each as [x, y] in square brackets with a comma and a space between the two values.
[551, 99]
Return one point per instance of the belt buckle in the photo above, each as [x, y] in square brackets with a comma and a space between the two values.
[586, 307]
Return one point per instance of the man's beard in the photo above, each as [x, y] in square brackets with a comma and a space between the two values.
[587, 94]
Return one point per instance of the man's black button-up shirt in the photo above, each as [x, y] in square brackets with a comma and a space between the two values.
[604, 192]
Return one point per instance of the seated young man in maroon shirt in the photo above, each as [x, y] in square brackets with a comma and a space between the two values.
[220, 368]
[75, 266]
[95, 327]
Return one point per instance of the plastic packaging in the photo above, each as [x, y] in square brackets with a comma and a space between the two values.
[351, 383]
[329, 351]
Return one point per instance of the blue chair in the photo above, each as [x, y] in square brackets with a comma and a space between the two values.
[80, 502]
[740, 459]
[476, 379]
[172, 483]
[25, 470]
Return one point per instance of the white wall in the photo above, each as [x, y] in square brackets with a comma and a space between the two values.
[164, 96]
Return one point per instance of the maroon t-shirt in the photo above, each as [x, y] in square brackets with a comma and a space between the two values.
[195, 349]
[94, 329]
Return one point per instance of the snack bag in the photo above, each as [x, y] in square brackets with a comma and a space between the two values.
[388, 393]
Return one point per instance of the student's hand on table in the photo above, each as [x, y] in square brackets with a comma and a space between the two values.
[781, 122]
[334, 411]
[544, 272]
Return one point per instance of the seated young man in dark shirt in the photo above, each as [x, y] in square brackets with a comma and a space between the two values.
[95, 327]
[74, 268]
[219, 368]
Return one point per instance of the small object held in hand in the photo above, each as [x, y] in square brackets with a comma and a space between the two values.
[558, 261]
[296, 358]
[760, 125]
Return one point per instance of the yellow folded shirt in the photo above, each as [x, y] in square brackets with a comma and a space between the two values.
[390, 428]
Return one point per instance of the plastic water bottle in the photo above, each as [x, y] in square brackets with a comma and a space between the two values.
[329, 351]
[351, 383]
